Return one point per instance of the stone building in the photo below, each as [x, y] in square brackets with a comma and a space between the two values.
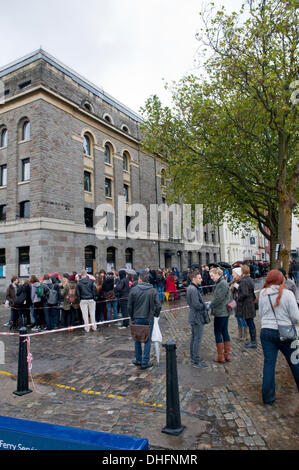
[66, 147]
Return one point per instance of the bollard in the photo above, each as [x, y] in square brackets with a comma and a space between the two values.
[22, 386]
[173, 415]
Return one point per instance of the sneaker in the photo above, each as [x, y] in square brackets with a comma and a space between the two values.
[150, 364]
[199, 365]
[251, 345]
[122, 327]
[136, 363]
[7, 324]
[35, 328]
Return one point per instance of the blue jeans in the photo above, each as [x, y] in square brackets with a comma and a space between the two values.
[111, 306]
[123, 303]
[145, 357]
[271, 344]
[161, 293]
[221, 329]
[242, 322]
[51, 316]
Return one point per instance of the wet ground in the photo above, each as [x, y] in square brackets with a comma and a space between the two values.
[87, 380]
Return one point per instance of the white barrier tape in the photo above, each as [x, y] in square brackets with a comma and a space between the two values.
[70, 328]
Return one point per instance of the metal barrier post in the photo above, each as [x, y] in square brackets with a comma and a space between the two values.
[22, 385]
[173, 415]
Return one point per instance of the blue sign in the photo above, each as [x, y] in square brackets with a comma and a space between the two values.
[20, 434]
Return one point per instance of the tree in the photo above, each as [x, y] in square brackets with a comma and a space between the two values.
[230, 136]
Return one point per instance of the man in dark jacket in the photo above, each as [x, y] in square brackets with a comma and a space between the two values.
[86, 294]
[122, 289]
[143, 305]
[198, 317]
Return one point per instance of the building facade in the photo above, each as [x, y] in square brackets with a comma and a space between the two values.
[67, 147]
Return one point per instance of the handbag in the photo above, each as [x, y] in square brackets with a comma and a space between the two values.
[287, 333]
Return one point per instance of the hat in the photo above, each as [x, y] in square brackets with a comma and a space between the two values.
[72, 278]
[238, 271]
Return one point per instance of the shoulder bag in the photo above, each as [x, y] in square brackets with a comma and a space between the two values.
[141, 333]
[287, 333]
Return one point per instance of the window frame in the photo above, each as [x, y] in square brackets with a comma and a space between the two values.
[25, 161]
[110, 187]
[107, 146]
[2, 172]
[4, 138]
[86, 172]
[23, 208]
[26, 134]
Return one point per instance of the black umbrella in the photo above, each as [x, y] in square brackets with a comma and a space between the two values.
[214, 265]
[224, 265]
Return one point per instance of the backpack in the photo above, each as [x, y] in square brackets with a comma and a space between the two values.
[71, 296]
[39, 291]
[52, 296]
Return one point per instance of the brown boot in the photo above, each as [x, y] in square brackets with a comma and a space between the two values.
[227, 350]
[220, 351]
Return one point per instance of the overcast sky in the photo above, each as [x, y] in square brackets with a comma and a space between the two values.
[124, 46]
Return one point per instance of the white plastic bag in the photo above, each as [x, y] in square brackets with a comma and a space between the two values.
[6, 304]
[156, 334]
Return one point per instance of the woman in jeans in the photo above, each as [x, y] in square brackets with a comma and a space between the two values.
[221, 315]
[286, 313]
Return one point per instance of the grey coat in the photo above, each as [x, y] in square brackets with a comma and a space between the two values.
[198, 314]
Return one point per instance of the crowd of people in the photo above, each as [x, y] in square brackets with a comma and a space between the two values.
[56, 301]
[277, 303]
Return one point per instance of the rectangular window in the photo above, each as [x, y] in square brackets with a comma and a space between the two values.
[88, 217]
[126, 192]
[2, 263]
[24, 261]
[24, 209]
[87, 181]
[108, 187]
[2, 213]
[3, 175]
[26, 169]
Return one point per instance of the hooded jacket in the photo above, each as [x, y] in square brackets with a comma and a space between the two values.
[86, 289]
[123, 285]
[198, 314]
[34, 297]
[286, 312]
[143, 301]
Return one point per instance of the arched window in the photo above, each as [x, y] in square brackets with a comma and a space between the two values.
[4, 138]
[108, 118]
[90, 256]
[125, 161]
[129, 258]
[110, 258]
[107, 154]
[26, 131]
[86, 145]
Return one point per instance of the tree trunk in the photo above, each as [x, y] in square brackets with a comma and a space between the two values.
[284, 234]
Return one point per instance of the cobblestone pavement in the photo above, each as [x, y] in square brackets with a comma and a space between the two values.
[87, 380]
